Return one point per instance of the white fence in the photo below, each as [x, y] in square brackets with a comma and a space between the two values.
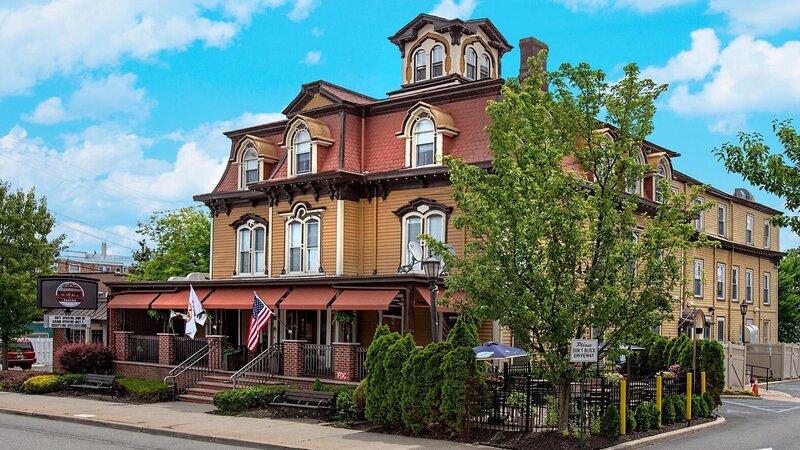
[735, 367]
[43, 346]
[783, 359]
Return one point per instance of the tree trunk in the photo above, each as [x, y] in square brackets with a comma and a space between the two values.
[563, 407]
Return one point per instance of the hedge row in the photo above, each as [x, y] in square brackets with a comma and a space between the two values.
[237, 400]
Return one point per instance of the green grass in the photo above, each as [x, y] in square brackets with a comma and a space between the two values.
[141, 390]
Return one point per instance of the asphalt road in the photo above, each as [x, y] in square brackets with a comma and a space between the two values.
[751, 424]
[26, 432]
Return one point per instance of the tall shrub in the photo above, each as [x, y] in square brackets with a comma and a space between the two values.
[85, 358]
[434, 380]
[462, 384]
[396, 356]
[609, 424]
[463, 334]
[415, 385]
[712, 361]
[376, 374]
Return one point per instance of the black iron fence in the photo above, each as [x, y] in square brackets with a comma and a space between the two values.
[318, 360]
[143, 348]
[361, 357]
[186, 347]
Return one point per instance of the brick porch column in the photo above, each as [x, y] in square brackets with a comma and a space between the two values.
[344, 361]
[166, 348]
[293, 361]
[215, 344]
[122, 340]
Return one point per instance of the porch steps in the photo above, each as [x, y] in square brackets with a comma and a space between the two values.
[204, 390]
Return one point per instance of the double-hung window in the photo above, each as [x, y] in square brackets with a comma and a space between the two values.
[486, 66]
[698, 277]
[304, 246]
[250, 166]
[424, 142]
[472, 64]
[720, 281]
[720, 329]
[721, 220]
[748, 232]
[419, 66]
[431, 224]
[252, 239]
[661, 174]
[437, 58]
[765, 287]
[700, 218]
[748, 285]
[766, 233]
[302, 151]
[734, 284]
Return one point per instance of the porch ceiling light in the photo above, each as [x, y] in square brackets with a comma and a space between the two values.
[431, 267]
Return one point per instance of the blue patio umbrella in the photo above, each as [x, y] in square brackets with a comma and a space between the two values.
[493, 350]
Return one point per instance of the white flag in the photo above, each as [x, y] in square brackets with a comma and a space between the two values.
[191, 328]
[196, 308]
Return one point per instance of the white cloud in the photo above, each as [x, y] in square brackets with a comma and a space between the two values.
[730, 125]
[450, 9]
[317, 32]
[39, 40]
[302, 9]
[641, 6]
[97, 99]
[692, 64]
[312, 58]
[104, 176]
[761, 17]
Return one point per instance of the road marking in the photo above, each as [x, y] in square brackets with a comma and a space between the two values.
[84, 416]
[738, 412]
[773, 409]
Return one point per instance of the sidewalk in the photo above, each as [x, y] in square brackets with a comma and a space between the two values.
[189, 420]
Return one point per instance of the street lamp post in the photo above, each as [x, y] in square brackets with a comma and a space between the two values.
[743, 310]
[431, 267]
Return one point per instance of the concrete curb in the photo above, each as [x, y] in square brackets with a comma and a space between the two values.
[153, 431]
[746, 397]
[650, 440]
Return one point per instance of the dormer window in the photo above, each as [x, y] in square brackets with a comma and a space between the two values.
[424, 140]
[661, 174]
[250, 166]
[252, 155]
[437, 61]
[419, 65]
[486, 66]
[302, 151]
[472, 64]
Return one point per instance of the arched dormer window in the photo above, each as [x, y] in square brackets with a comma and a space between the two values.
[303, 238]
[472, 64]
[302, 139]
[249, 166]
[252, 154]
[437, 61]
[421, 216]
[424, 129]
[636, 187]
[420, 65]
[661, 174]
[251, 238]
[486, 66]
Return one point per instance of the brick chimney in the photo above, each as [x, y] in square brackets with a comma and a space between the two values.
[528, 47]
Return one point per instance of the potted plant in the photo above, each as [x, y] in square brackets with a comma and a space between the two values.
[347, 319]
[231, 357]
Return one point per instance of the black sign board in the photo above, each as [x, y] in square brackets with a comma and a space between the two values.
[66, 292]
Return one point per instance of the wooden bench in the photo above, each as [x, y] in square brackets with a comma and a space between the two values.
[95, 382]
[319, 401]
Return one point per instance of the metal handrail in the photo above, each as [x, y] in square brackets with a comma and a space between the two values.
[261, 364]
[191, 370]
[767, 370]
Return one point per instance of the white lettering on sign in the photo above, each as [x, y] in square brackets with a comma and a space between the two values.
[341, 376]
[67, 321]
[583, 350]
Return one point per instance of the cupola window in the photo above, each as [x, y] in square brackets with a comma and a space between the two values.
[419, 66]
[486, 65]
[437, 64]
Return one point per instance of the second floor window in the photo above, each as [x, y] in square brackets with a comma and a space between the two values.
[486, 66]
[251, 249]
[721, 218]
[437, 58]
[748, 286]
[698, 277]
[431, 224]
[766, 233]
[700, 218]
[765, 282]
[720, 281]
[424, 140]
[661, 174]
[735, 284]
[419, 66]
[304, 246]
[748, 232]
[472, 64]
[302, 152]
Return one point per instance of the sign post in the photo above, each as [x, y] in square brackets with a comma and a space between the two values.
[583, 351]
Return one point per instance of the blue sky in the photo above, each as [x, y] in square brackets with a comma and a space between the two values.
[114, 110]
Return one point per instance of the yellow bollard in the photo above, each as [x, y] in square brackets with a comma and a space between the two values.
[623, 406]
[688, 396]
[658, 393]
[702, 383]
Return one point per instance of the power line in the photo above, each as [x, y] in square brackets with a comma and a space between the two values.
[96, 236]
[95, 227]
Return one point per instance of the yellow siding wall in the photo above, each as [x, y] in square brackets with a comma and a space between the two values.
[352, 238]
[224, 261]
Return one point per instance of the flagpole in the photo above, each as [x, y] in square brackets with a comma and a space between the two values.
[273, 312]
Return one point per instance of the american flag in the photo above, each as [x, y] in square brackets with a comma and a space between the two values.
[260, 317]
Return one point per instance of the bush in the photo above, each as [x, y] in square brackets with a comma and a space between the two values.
[697, 407]
[668, 411]
[12, 380]
[609, 424]
[680, 407]
[461, 386]
[396, 356]
[69, 379]
[709, 401]
[145, 391]
[377, 405]
[236, 400]
[415, 417]
[463, 334]
[630, 422]
[85, 358]
[41, 384]
[711, 358]
[345, 407]
[643, 417]
[360, 396]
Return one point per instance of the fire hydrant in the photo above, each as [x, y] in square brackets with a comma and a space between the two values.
[755, 386]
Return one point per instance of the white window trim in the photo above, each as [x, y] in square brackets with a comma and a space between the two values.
[423, 216]
[77, 268]
[419, 112]
[748, 226]
[767, 234]
[430, 59]
[666, 176]
[748, 287]
[700, 220]
[243, 148]
[735, 284]
[300, 214]
[466, 64]
[484, 57]
[766, 291]
[252, 226]
[720, 270]
[722, 213]
[766, 327]
[694, 277]
[425, 63]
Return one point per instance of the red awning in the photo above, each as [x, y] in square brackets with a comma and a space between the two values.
[426, 295]
[177, 300]
[364, 300]
[133, 300]
[309, 298]
[242, 298]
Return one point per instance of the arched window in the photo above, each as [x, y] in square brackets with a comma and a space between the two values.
[486, 65]
[419, 65]
[250, 166]
[661, 174]
[303, 241]
[472, 64]
[635, 188]
[252, 239]
[424, 138]
[437, 64]
[414, 224]
[302, 152]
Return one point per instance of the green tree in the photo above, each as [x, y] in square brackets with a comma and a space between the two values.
[776, 173]
[176, 242]
[25, 252]
[554, 249]
[789, 298]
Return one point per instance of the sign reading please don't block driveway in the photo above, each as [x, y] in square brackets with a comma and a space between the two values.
[583, 350]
